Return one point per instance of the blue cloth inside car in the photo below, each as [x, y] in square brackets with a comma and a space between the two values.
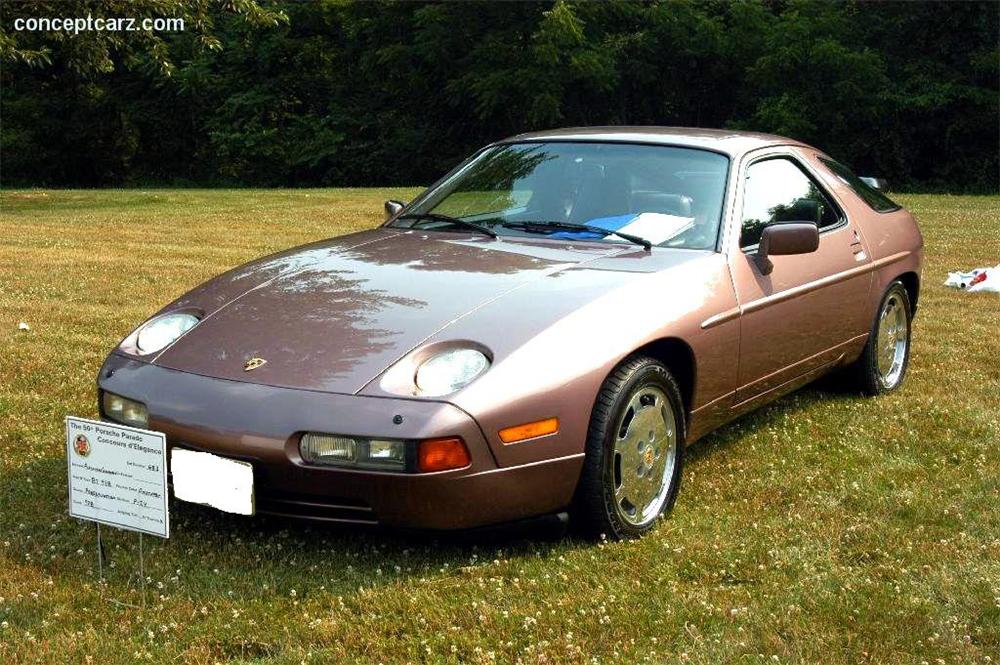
[609, 223]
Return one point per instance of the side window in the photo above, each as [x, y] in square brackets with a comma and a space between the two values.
[873, 197]
[777, 190]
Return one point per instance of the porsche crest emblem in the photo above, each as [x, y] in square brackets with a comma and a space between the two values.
[81, 446]
[253, 364]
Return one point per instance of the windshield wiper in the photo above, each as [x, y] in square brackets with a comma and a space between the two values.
[457, 221]
[546, 227]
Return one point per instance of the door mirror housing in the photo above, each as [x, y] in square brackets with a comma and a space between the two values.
[393, 208]
[783, 239]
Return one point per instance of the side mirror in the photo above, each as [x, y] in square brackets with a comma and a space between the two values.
[393, 208]
[785, 238]
[876, 183]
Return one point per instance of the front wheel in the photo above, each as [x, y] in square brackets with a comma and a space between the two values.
[634, 452]
[882, 365]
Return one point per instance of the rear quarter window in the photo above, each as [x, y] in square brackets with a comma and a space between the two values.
[875, 199]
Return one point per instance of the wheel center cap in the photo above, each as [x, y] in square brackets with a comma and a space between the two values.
[648, 456]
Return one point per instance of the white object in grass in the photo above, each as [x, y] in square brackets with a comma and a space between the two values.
[963, 280]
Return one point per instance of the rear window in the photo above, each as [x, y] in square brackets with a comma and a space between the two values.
[874, 198]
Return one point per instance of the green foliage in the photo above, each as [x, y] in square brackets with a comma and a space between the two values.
[95, 52]
[254, 92]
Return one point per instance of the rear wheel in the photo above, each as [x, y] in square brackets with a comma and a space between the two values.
[634, 455]
[882, 365]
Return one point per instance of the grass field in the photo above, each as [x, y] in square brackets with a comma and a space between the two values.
[827, 527]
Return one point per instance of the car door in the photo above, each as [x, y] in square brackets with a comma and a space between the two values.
[811, 307]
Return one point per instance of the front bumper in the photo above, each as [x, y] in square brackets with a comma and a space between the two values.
[261, 424]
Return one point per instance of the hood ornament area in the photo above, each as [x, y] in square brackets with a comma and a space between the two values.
[253, 364]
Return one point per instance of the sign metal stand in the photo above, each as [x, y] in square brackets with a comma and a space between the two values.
[102, 556]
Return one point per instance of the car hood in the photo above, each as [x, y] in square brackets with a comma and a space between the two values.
[333, 315]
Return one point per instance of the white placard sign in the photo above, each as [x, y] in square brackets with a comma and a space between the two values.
[118, 475]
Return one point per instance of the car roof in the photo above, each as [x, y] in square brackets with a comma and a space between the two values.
[728, 141]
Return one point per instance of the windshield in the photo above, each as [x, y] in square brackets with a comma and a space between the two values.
[668, 196]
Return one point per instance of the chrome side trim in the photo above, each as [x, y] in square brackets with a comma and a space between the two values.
[809, 287]
[720, 318]
[774, 298]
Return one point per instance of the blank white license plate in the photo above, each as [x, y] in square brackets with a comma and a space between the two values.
[213, 481]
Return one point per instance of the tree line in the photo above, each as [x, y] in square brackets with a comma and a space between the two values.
[261, 93]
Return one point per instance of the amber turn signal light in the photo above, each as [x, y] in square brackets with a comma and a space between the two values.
[442, 454]
[529, 430]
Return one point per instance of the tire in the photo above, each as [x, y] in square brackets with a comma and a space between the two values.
[878, 371]
[622, 464]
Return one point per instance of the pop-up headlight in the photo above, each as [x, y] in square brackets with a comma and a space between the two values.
[450, 370]
[160, 332]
